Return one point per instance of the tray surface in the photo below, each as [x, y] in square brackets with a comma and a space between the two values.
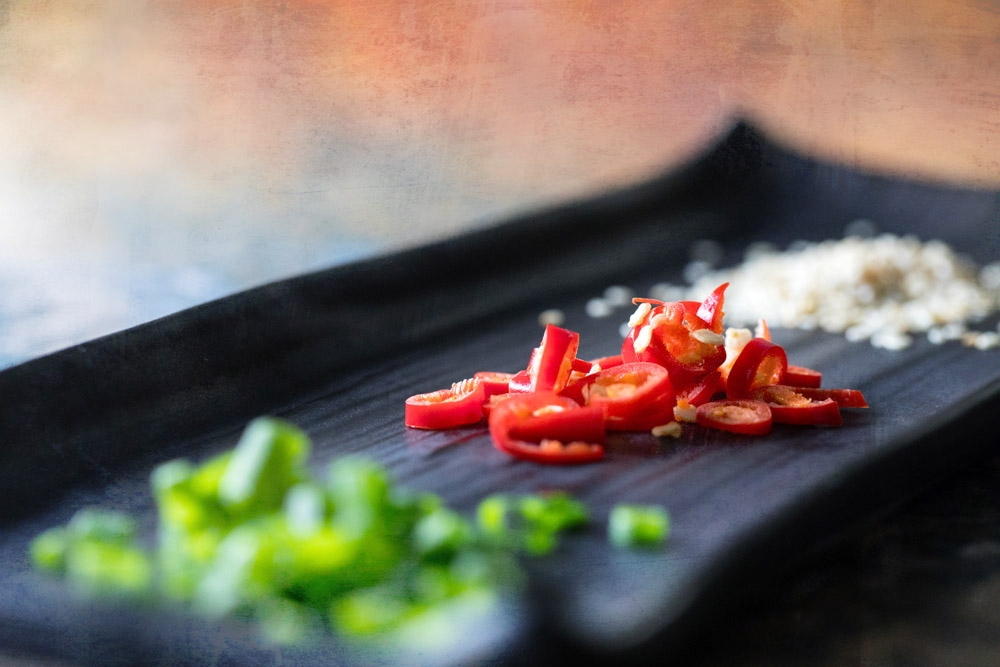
[338, 351]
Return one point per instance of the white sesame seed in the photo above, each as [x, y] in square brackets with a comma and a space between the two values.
[618, 295]
[640, 314]
[667, 292]
[708, 337]
[643, 338]
[759, 249]
[685, 413]
[857, 333]
[668, 430]
[989, 276]
[598, 308]
[981, 340]
[891, 340]
[861, 228]
[695, 270]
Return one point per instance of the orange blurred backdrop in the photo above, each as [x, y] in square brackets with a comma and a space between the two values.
[432, 114]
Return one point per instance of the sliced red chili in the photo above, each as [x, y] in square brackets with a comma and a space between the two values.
[494, 400]
[845, 398]
[710, 310]
[520, 382]
[548, 428]
[789, 406]
[800, 376]
[578, 388]
[643, 299]
[635, 396]
[702, 391]
[573, 423]
[762, 330]
[674, 337]
[691, 308]
[551, 363]
[743, 416]
[759, 364]
[602, 363]
[815, 413]
[460, 405]
[494, 382]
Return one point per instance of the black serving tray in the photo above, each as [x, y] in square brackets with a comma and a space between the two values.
[338, 351]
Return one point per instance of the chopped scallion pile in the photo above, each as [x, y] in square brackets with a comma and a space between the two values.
[251, 533]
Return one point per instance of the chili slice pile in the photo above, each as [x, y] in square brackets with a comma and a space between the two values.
[677, 363]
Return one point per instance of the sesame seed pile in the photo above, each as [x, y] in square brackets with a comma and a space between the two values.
[881, 288]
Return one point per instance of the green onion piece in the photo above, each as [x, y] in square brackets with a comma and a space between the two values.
[305, 508]
[268, 460]
[286, 622]
[188, 497]
[638, 525]
[554, 512]
[492, 517]
[441, 534]
[48, 550]
[192, 522]
[170, 475]
[235, 576]
[101, 568]
[369, 611]
[539, 541]
[314, 568]
[360, 492]
[529, 522]
[106, 526]
[208, 476]
[183, 558]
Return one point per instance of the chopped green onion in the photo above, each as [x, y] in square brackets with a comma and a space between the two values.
[531, 522]
[553, 512]
[105, 568]
[491, 516]
[638, 525]
[306, 508]
[102, 525]
[268, 460]
[48, 550]
[441, 534]
[250, 533]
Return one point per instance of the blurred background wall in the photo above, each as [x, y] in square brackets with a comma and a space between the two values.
[158, 153]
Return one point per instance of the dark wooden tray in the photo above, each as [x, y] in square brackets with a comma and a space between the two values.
[338, 351]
